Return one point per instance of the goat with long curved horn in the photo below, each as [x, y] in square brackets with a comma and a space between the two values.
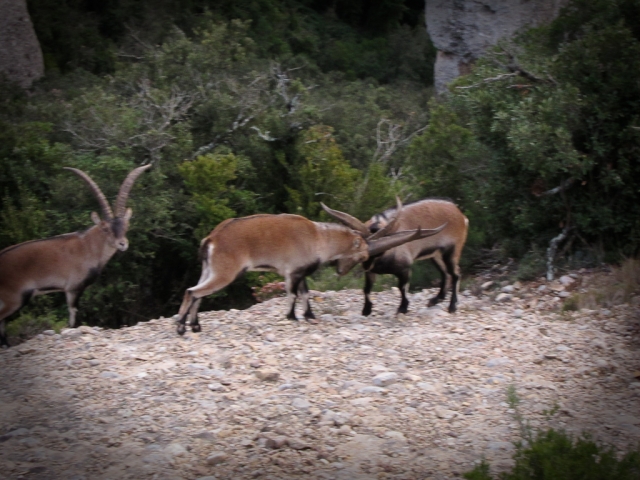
[290, 245]
[444, 247]
[66, 263]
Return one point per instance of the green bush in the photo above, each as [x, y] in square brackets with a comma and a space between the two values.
[555, 455]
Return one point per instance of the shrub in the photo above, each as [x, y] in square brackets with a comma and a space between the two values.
[556, 455]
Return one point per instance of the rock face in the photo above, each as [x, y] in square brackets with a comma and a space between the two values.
[349, 398]
[462, 30]
[20, 55]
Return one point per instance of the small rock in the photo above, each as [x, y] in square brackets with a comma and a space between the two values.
[49, 332]
[297, 444]
[70, 332]
[270, 337]
[216, 387]
[517, 313]
[268, 375]
[175, 450]
[276, 443]
[508, 289]
[385, 379]
[87, 330]
[396, 435]
[216, 458]
[300, 403]
[372, 389]
[504, 297]
[566, 280]
[443, 413]
[411, 377]
[345, 430]
[429, 387]
[487, 285]
[497, 362]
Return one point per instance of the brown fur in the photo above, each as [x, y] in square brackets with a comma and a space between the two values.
[290, 245]
[444, 249]
[65, 263]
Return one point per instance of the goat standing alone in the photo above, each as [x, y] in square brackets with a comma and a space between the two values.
[66, 263]
[444, 249]
[290, 245]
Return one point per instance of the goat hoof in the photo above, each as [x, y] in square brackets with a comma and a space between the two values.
[452, 309]
[181, 329]
[196, 328]
[366, 311]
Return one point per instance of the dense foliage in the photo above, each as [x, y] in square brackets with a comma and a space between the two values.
[543, 136]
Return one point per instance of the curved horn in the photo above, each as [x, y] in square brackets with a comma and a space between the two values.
[381, 245]
[389, 226]
[348, 220]
[125, 188]
[102, 200]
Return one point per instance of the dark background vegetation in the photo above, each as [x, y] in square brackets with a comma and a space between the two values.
[273, 106]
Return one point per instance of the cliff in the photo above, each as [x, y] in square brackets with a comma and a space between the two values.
[462, 30]
[20, 55]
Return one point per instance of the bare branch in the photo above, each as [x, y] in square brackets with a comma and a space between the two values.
[392, 138]
[497, 78]
[265, 136]
[560, 188]
[551, 251]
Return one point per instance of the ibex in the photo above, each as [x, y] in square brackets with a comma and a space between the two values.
[444, 248]
[290, 245]
[65, 263]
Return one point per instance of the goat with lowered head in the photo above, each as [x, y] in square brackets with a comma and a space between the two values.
[290, 245]
[444, 249]
[66, 263]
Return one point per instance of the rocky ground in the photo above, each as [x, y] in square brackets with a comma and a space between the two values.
[256, 396]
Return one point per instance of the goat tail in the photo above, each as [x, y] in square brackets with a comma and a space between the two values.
[204, 250]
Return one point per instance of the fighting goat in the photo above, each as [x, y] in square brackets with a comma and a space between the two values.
[290, 245]
[65, 263]
[444, 249]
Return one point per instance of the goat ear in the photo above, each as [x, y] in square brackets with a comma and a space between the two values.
[127, 214]
[95, 218]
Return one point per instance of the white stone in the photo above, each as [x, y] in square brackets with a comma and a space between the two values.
[386, 378]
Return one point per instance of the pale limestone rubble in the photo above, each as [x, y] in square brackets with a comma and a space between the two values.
[256, 396]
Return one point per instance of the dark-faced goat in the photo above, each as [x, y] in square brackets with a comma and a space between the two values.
[65, 263]
[290, 245]
[444, 248]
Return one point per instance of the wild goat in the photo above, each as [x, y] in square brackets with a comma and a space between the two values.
[290, 245]
[65, 263]
[444, 248]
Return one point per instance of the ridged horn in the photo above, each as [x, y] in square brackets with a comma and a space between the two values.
[125, 188]
[348, 220]
[381, 245]
[389, 226]
[102, 200]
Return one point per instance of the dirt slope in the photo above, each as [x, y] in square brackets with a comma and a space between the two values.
[256, 396]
